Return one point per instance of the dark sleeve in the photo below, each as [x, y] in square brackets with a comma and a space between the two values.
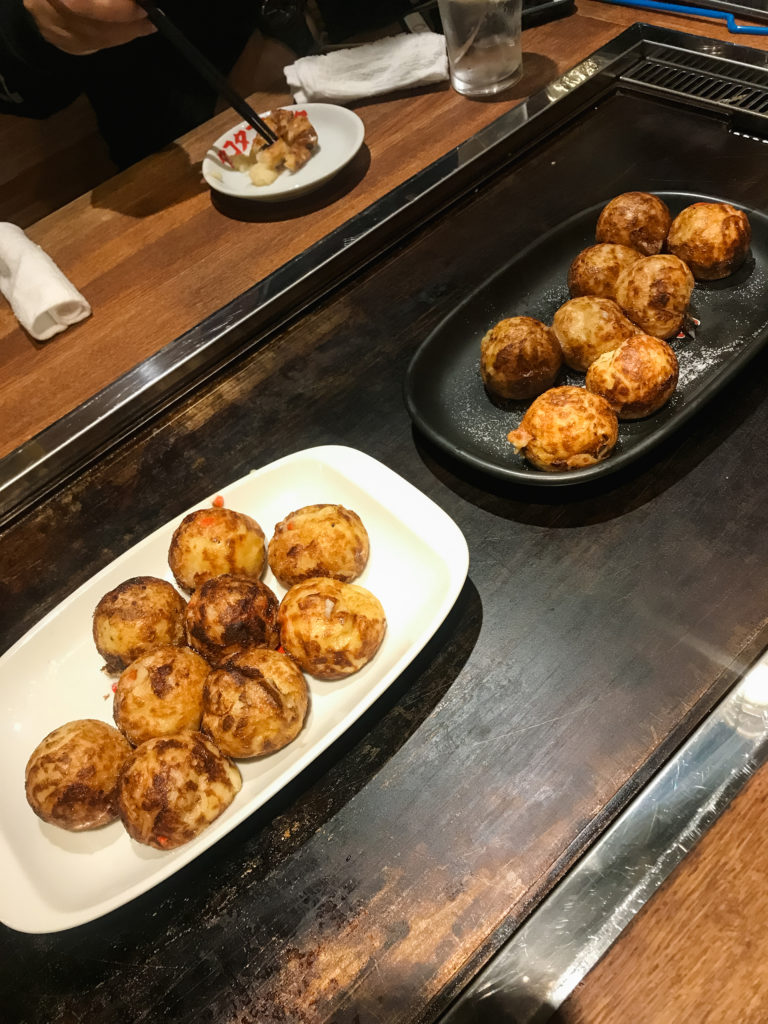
[36, 79]
[146, 94]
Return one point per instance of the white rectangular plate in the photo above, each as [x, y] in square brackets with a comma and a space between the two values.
[54, 879]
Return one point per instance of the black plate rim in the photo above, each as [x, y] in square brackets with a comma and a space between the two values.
[540, 478]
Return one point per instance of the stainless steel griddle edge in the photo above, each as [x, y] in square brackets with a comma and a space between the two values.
[544, 961]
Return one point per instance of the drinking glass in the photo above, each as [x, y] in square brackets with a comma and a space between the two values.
[483, 42]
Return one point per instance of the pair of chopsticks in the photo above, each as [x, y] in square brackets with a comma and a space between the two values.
[211, 74]
[698, 12]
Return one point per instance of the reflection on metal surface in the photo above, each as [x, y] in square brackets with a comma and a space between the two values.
[574, 78]
[565, 937]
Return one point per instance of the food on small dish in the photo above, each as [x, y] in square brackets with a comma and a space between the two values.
[72, 775]
[256, 704]
[296, 139]
[319, 540]
[519, 358]
[655, 293]
[229, 614]
[636, 219]
[136, 617]
[588, 326]
[160, 694]
[212, 541]
[172, 787]
[331, 629]
[596, 270]
[566, 428]
[712, 238]
[637, 378]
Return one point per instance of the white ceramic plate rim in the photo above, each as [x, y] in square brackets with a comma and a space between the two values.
[325, 117]
[23, 906]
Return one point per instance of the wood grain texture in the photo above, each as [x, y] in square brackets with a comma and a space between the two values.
[595, 630]
[696, 952]
[154, 255]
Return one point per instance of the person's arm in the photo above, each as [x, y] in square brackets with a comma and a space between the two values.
[42, 43]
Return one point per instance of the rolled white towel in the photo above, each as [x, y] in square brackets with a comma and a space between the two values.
[373, 69]
[43, 300]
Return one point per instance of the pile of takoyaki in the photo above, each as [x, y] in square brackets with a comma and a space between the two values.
[212, 679]
[630, 293]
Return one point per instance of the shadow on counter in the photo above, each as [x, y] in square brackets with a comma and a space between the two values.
[156, 183]
[538, 71]
[615, 494]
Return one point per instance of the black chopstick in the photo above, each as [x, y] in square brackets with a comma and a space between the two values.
[214, 77]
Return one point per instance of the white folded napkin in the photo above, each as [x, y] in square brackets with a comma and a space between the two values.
[43, 299]
[373, 69]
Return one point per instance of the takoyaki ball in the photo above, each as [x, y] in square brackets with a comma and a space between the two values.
[655, 293]
[256, 704]
[133, 619]
[319, 540]
[566, 428]
[172, 787]
[637, 378]
[72, 776]
[596, 270]
[519, 358]
[331, 629]
[588, 326]
[160, 694]
[712, 238]
[212, 541]
[229, 614]
[636, 219]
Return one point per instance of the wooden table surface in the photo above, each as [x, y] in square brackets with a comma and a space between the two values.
[154, 255]
[376, 886]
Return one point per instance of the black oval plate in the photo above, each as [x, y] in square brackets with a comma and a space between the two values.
[445, 395]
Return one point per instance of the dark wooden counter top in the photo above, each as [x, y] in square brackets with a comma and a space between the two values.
[595, 629]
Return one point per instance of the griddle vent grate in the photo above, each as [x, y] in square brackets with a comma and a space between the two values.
[715, 83]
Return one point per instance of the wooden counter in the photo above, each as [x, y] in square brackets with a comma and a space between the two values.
[593, 632]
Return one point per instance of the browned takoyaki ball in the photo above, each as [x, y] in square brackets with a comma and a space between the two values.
[160, 694]
[519, 358]
[712, 238]
[566, 428]
[331, 629]
[588, 326]
[319, 540]
[637, 378]
[655, 293]
[172, 787]
[229, 614]
[212, 541]
[72, 775]
[637, 219]
[134, 618]
[596, 270]
[256, 704]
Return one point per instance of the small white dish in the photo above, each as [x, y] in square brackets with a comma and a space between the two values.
[54, 879]
[340, 135]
